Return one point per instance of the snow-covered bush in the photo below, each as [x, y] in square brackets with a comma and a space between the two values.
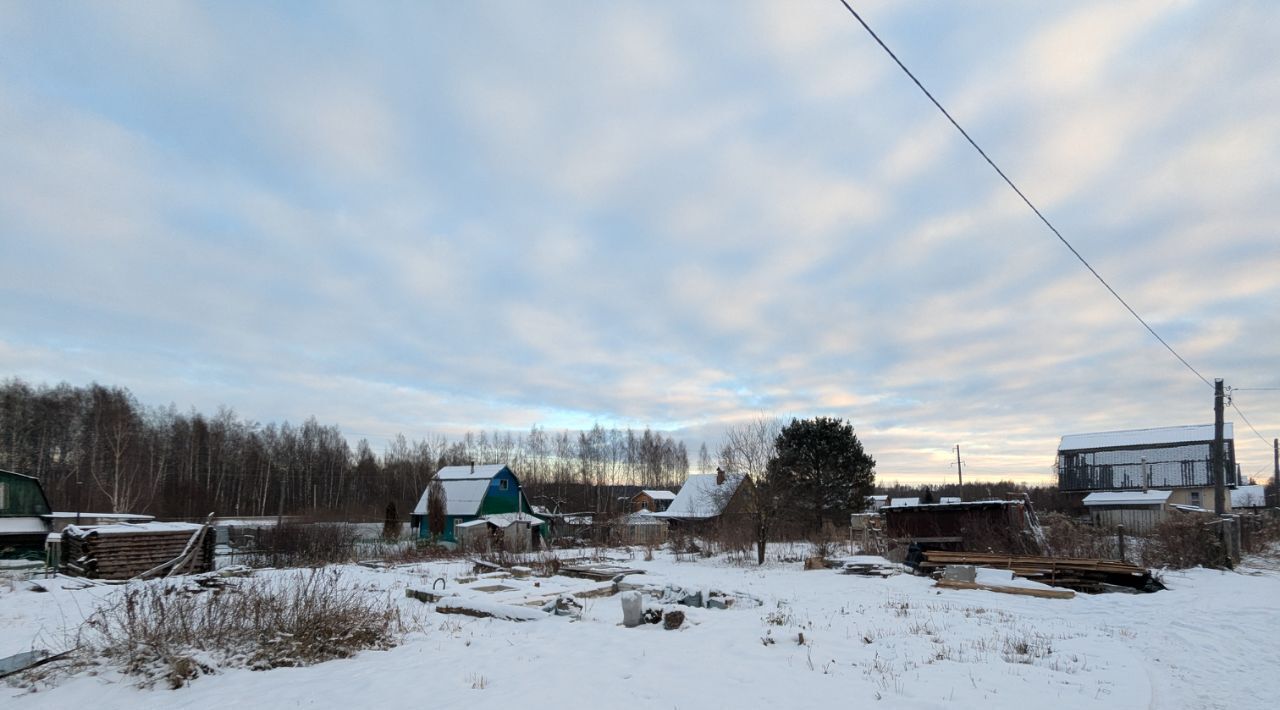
[163, 631]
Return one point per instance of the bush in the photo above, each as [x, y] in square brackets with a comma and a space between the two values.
[1064, 537]
[1183, 541]
[303, 545]
[160, 631]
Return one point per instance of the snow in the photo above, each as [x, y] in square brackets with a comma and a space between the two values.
[24, 524]
[1142, 437]
[504, 520]
[1249, 497]
[1127, 498]
[702, 497]
[659, 495]
[904, 503]
[896, 642]
[461, 496]
[131, 528]
[471, 473]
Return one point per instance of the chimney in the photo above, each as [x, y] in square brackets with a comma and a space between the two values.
[719, 476]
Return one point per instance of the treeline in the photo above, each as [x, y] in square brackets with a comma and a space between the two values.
[98, 449]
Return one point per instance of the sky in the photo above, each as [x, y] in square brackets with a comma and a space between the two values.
[433, 217]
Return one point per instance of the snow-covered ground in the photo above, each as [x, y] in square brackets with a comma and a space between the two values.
[1211, 641]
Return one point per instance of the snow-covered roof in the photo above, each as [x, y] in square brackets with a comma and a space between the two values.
[1142, 437]
[879, 498]
[131, 528]
[1127, 498]
[1249, 497]
[946, 500]
[643, 517]
[468, 472]
[23, 524]
[702, 497]
[904, 502]
[659, 495]
[503, 520]
[461, 496]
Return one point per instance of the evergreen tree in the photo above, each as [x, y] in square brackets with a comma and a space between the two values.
[821, 465]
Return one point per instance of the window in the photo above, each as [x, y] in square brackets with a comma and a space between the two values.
[1195, 497]
[502, 485]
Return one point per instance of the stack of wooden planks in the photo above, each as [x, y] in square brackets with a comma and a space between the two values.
[125, 551]
[1080, 574]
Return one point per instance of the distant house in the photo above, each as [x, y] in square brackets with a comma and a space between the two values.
[24, 512]
[654, 501]
[475, 492]
[1248, 498]
[707, 499]
[1177, 459]
[1137, 511]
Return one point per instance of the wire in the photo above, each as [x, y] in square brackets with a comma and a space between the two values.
[1246, 421]
[1011, 184]
[1255, 389]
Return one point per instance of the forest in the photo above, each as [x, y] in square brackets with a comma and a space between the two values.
[96, 448]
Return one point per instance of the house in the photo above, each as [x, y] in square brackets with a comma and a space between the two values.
[473, 492]
[1248, 498]
[876, 502]
[24, 512]
[708, 499]
[1177, 459]
[654, 501]
[1137, 511]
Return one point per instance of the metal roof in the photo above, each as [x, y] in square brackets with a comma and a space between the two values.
[461, 497]
[468, 472]
[1142, 437]
[1127, 498]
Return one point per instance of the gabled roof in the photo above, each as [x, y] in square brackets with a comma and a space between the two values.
[1142, 437]
[1127, 498]
[469, 473]
[461, 496]
[659, 495]
[701, 497]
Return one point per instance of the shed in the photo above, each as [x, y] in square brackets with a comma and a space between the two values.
[1137, 511]
[985, 525]
[23, 521]
[642, 528]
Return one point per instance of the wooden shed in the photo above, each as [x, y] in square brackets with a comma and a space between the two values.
[1137, 511]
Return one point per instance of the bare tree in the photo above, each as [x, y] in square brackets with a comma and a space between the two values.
[748, 448]
[437, 505]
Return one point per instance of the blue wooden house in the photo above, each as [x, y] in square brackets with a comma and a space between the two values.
[490, 493]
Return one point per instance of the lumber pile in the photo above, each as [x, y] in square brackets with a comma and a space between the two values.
[1081, 574]
[125, 551]
[603, 571]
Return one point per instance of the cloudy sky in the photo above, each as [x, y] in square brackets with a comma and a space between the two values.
[413, 217]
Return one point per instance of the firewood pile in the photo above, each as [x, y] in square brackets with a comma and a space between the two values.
[125, 551]
[1081, 574]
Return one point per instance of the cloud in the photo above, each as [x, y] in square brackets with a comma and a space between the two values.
[439, 218]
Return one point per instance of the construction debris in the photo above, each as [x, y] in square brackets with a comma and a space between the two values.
[128, 551]
[1081, 574]
[602, 571]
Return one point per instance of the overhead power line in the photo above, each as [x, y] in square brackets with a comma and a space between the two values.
[1020, 194]
[1044, 219]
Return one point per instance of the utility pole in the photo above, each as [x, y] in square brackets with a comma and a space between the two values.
[1275, 443]
[959, 466]
[1219, 488]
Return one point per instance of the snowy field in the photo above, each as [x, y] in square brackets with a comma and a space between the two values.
[818, 639]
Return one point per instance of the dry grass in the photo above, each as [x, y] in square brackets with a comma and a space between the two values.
[162, 632]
